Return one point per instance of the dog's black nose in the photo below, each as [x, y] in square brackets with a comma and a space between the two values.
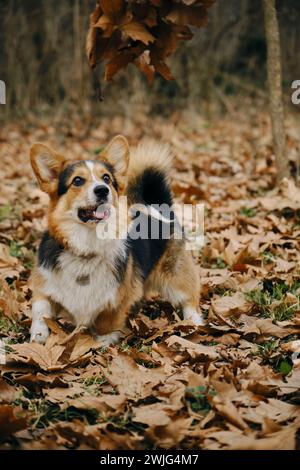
[101, 192]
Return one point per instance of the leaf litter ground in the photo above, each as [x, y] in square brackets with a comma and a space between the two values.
[233, 384]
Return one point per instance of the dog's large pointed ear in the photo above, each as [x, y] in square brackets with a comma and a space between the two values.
[46, 164]
[116, 153]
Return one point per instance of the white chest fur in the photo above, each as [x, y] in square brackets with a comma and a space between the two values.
[84, 301]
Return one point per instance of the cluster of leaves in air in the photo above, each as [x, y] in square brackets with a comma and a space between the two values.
[143, 32]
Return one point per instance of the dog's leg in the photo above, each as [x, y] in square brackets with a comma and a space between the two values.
[41, 309]
[186, 298]
[109, 325]
[184, 295]
[110, 338]
[192, 313]
[176, 278]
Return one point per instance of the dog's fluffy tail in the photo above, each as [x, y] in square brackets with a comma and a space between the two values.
[149, 169]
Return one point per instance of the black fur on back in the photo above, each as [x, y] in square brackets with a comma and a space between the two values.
[146, 253]
[149, 188]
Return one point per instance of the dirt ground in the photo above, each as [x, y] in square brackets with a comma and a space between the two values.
[232, 384]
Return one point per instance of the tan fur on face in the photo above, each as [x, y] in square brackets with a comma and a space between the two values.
[63, 211]
[63, 214]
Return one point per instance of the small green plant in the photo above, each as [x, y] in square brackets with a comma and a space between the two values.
[198, 398]
[96, 380]
[147, 364]
[44, 413]
[138, 344]
[223, 291]
[268, 257]
[8, 325]
[122, 422]
[219, 264]
[247, 211]
[124, 346]
[28, 264]
[284, 366]
[97, 150]
[266, 349]
[271, 301]
[25, 256]
[93, 384]
[5, 212]
[145, 348]
[271, 354]
[15, 249]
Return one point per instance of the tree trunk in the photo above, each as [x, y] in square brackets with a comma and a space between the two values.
[275, 88]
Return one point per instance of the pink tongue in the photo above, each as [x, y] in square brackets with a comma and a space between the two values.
[101, 215]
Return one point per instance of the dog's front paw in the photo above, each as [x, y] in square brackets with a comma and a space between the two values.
[192, 314]
[111, 338]
[39, 332]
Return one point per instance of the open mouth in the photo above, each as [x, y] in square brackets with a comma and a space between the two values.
[94, 213]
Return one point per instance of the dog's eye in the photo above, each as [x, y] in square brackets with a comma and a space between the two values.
[106, 179]
[78, 181]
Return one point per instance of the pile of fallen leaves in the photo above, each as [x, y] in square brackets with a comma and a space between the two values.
[143, 33]
[232, 384]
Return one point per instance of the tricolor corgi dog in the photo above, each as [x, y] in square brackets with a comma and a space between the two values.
[97, 280]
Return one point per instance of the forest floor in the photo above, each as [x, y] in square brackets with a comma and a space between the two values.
[232, 384]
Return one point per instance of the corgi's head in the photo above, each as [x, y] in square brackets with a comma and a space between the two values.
[81, 192]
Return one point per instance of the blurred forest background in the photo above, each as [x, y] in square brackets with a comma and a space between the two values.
[44, 65]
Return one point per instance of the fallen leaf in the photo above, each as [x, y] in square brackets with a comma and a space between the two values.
[38, 355]
[194, 350]
[134, 380]
[12, 419]
[230, 305]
